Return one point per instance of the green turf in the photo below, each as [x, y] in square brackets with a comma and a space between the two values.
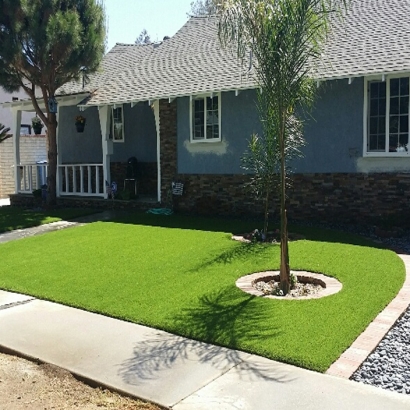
[179, 273]
[18, 218]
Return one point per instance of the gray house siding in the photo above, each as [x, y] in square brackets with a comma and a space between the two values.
[239, 121]
[75, 147]
[140, 139]
[334, 134]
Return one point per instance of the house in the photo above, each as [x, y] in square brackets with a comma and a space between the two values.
[32, 147]
[185, 108]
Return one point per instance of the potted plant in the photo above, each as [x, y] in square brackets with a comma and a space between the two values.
[37, 125]
[80, 123]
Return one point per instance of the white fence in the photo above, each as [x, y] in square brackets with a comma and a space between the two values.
[31, 177]
[74, 179]
[81, 179]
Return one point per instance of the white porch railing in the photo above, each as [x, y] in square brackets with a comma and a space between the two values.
[81, 179]
[31, 177]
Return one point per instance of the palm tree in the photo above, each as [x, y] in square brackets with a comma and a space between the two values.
[286, 38]
[4, 133]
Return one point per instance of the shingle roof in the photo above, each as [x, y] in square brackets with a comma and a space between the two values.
[374, 38]
[121, 57]
[192, 61]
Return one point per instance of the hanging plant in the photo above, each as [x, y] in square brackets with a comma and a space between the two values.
[37, 125]
[80, 123]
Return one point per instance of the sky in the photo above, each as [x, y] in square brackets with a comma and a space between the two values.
[127, 18]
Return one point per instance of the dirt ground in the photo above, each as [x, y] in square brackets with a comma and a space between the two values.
[26, 385]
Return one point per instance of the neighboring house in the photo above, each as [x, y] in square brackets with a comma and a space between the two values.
[186, 108]
[5, 113]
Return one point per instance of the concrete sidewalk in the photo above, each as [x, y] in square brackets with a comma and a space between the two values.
[172, 371]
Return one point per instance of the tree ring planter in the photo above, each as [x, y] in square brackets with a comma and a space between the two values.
[330, 285]
[80, 127]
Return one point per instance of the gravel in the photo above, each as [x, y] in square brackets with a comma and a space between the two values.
[388, 366]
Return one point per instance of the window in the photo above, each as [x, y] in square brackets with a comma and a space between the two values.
[25, 129]
[388, 117]
[206, 119]
[117, 124]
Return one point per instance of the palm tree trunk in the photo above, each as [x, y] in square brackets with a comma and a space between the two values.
[265, 225]
[284, 251]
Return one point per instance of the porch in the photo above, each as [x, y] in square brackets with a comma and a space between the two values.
[91, 160]
[87, 180]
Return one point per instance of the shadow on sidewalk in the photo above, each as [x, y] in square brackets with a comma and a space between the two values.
[217, 318]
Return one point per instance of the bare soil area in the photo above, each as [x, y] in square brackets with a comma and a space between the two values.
[27, 385]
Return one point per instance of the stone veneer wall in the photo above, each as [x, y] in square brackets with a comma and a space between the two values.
[351, 197]
[32, 149]
[168, 147]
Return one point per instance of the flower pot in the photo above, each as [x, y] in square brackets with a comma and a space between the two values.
[37, 130]
[80, 127]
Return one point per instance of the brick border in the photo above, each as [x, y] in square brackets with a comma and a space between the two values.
[357, 353]
[332, 285]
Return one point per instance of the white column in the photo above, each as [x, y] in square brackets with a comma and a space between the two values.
[15, 130]
[107, 145]
[157, 124]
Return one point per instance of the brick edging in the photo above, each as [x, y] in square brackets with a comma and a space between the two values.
[358, 352]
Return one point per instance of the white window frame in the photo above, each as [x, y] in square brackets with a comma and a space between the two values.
[112, 122]
[191, 118]
[366, 113]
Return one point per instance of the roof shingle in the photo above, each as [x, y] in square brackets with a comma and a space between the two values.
[374, 38]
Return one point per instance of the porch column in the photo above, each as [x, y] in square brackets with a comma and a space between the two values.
[15, 130]
[107, 144]
[58, 176]
[157, 124]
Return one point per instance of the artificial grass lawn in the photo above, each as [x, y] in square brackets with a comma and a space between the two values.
[179, 274]
[18, 218]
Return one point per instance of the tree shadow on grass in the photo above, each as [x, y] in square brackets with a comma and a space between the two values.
[237, 227]
[221, 318]
[241, 251]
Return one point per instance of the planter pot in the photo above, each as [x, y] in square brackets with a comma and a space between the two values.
[80, 127]
[37, 130]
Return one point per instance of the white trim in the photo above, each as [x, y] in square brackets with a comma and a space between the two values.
[384, 78]
[174, 96]
[191, 103]
[115, 107]
[107, 145]
[365, 114]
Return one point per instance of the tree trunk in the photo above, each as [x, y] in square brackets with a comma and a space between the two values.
[284, 251]
[265, 225]
[52, 161]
